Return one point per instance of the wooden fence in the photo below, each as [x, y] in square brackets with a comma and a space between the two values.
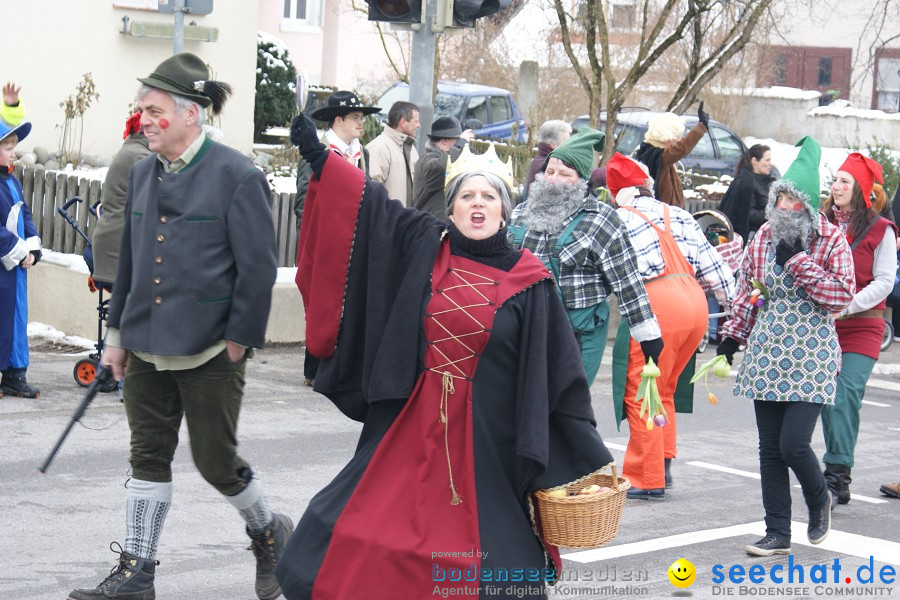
[46, 191]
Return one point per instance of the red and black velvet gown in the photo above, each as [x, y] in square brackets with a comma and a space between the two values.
[458, 358]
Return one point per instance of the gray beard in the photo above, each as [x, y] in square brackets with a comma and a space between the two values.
[549, 204]
[788, 225]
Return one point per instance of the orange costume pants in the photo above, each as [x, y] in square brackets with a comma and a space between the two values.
[680, 307]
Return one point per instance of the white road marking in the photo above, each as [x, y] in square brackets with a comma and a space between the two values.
[616, 446]
[868, 499]
[873, 403]
[840, 542]
[753, 475]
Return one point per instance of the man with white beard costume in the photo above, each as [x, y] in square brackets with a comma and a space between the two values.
[803, 267]
[585, 245]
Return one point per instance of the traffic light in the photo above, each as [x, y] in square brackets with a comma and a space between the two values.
[395, 11]
[462, 13]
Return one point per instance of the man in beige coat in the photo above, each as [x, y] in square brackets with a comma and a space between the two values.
[392, 155]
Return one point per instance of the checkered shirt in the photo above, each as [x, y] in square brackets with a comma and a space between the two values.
[732, 252]
[710, 270]
[597, 263]
[825, 273]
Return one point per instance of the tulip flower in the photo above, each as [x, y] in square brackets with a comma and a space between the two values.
[719, 367]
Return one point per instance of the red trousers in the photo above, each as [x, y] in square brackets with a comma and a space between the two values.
[680, 307]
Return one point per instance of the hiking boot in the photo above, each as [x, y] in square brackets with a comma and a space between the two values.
[819, 522]
[769, 545]
[267, 547]
[668, 474]
[15, 384]
[837, 477]
[131, 579]
[891, 489]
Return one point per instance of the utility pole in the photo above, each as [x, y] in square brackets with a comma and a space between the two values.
[178, 32]
[421, 70]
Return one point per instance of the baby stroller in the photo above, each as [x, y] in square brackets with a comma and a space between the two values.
[86, 369]
[721, 235]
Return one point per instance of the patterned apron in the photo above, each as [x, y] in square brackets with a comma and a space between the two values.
[792, 352]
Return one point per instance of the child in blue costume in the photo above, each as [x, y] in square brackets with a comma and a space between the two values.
[20, 248]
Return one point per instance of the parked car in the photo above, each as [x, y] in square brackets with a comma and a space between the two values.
[716, 153]
[491, 112]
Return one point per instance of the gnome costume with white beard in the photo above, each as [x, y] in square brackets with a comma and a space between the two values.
[585, 246]
[803, 267]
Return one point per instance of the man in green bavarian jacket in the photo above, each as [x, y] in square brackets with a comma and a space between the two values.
[192, 297]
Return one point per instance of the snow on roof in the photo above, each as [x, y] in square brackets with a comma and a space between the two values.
[850, 111]
[789, 93]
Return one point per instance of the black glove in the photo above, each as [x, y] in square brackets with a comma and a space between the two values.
[305, 136]
[652, 349]
[785, 251]
[728, 347]
[704, 117]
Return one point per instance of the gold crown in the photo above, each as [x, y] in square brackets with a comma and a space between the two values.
[489, 162]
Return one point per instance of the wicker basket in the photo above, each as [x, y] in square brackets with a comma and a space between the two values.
[585, 521]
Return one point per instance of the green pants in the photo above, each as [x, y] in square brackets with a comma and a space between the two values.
[840, 422]
[591, 326]
[209, 399]
[592, 346]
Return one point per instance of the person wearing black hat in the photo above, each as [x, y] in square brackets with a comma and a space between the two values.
[345, 114]
[193, 288]
[446, 139]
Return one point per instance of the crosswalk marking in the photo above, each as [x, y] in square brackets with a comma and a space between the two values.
[753, 475]
[840, 542]
[873, 403]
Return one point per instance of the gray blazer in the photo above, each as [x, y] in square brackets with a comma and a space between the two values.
[197, 261]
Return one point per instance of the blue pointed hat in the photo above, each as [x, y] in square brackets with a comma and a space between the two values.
[21, 130]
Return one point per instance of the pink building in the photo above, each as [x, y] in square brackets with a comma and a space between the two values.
[333, 43]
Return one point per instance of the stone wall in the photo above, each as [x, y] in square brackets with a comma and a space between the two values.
[58, 296]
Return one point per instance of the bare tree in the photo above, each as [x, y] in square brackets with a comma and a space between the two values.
[715, 30]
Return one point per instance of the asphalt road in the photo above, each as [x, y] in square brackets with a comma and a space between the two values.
[57, 527]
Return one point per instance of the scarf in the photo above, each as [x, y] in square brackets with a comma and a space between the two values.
[351, 152]
[842, 219]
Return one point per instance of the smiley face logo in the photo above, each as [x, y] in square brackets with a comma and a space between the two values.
[682, 573]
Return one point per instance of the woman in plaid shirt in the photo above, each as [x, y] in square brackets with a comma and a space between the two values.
[803, 268]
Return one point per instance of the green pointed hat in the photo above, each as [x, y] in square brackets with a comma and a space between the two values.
[578, 150]
[804, 171]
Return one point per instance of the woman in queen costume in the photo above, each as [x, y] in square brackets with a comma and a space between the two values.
[455, 352]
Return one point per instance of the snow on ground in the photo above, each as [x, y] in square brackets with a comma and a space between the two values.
[39, 330]
[286, 275]
[282, 185]
[71, 261]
